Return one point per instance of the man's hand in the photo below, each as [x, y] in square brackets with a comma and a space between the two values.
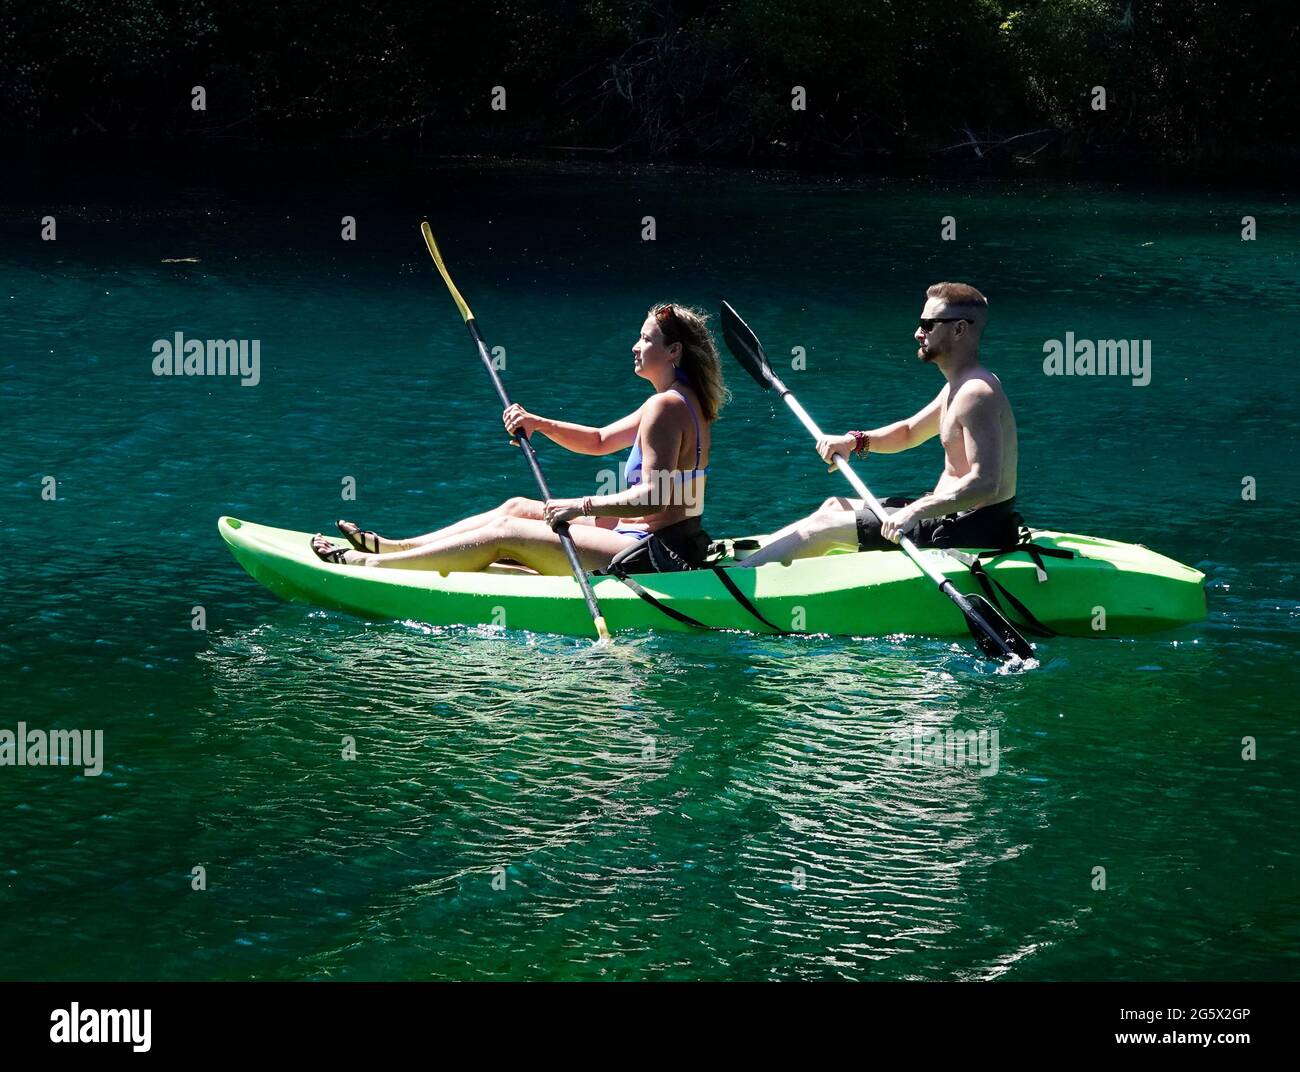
[517, 419]
[831, 447]
[554, 511]
[896, 524]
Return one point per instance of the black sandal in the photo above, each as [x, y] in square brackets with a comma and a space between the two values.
[357, 538]
[335, 556]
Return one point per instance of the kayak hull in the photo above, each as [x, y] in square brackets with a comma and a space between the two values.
[1107, 589]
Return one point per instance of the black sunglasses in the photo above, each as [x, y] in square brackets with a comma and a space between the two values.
[928, 322]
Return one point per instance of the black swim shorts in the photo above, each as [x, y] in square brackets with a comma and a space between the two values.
[994, 526]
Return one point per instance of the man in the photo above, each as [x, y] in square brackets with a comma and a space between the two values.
[973, 503]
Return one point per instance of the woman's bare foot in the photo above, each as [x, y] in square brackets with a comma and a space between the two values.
[337, 556]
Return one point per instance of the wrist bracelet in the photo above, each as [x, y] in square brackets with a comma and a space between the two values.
[586, 506]
[861, 442]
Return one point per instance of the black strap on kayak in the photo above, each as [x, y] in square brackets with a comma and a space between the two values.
[672, 612]
[1028, 621]
[991, 585]
[686, 619]
[745, 602]
[1035, 552]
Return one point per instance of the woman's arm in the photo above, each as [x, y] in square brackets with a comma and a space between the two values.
[579, 438]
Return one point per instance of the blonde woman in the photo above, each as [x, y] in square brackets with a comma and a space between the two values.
[651, 526]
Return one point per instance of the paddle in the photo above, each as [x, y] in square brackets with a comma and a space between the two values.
[996, 637]
[562, 529]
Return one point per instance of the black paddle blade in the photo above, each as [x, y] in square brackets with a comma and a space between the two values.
[996, 637]
[745, 347]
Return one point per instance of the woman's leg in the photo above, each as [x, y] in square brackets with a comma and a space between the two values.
[523, 540]
[832, 525]
[516, 507]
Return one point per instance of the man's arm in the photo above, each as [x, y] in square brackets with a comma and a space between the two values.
[890, 439]
[904, 435]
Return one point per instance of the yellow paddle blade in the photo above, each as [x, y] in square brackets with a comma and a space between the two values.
[436, 254]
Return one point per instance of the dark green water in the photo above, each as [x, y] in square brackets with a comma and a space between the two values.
[676, 807]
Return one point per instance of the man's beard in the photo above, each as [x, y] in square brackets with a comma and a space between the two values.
[927, 354]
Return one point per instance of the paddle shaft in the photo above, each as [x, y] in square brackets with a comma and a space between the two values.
[521, 436]
[562, 529]
[842, 464]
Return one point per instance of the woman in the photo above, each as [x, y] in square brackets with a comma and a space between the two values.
[653, 525]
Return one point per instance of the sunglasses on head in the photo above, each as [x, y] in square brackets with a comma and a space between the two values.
[928, 322]
[669, 323]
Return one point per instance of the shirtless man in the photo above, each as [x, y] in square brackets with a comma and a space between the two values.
[973, 503]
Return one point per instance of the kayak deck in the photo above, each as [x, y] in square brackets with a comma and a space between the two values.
[866, 593]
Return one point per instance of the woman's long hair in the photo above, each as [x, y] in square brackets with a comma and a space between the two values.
[700, 361]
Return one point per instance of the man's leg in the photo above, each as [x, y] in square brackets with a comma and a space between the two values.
[868, 526]
[840, 523]
[833, 525]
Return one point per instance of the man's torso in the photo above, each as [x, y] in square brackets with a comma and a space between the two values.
[954, 436]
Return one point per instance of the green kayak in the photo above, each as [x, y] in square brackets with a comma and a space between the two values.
[1123, 586]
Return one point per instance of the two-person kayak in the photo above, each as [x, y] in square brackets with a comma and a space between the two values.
[567, 565]
[1072, 585]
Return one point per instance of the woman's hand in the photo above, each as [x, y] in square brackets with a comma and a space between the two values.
[517, 419]
[831, 447]
[555, 511]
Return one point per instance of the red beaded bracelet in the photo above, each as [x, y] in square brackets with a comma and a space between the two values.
[861, 442]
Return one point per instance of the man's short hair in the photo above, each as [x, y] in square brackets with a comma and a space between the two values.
[957, 294]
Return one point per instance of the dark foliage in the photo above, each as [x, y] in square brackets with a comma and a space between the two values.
[1189, 83]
